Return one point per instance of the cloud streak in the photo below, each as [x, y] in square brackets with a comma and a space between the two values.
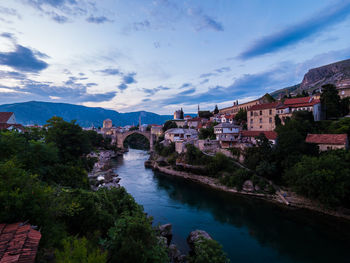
[98, 19]
[298, 32]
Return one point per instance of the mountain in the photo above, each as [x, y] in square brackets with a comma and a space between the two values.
[37, 112]
[337, 73]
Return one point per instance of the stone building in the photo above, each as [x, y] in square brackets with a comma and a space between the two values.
[227, 134]
[261, 117]
[236, 107]
[107, 123]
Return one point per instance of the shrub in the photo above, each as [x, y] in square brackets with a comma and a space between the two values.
[208, 250]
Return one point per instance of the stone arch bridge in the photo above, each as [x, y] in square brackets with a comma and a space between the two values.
[119, 138]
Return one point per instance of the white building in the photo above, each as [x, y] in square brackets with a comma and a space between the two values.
[227, 134]
[178, 134]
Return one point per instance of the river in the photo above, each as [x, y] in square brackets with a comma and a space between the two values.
[250, 230]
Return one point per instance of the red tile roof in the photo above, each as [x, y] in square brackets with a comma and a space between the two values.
[18, 243]
[340, 139]
[271, 135]
[263, 106]
[5, 116]
[301, 102]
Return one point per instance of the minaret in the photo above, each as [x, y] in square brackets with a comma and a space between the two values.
[198, 111]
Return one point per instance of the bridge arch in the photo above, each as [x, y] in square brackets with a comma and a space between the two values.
[120, 137]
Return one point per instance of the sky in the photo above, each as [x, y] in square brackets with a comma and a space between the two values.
[161, 55]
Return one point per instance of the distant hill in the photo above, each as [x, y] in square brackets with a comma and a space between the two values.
[337, 73]
[37, 112]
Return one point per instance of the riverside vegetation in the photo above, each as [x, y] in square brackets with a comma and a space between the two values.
[43, 180]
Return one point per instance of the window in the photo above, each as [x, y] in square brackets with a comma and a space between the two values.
[251, 113]
[251, 120]
[260, 127]
[261, 112]
[342, 92]
[270, 120]
[270, 112]
[260, 120]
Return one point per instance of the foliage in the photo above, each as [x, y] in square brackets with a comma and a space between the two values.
[208, 250]
[134, 128]
[194, 156]
[268, 98]
[303, 116]
[79, 251]
[216, 110]
[345, 106]
[132, 239]
[326, 178]
[330, 101]
[169, 125]
[278, 120]
[206, 133]
[241, 116]
[205, 114]
[181, 114]
[164, 150]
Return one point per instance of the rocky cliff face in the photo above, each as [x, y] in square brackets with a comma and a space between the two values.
[337, 73]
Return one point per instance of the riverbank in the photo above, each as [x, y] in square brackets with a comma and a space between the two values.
[284, 197]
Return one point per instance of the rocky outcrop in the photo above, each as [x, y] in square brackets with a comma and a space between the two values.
[102, 174]
[166, 231]
[337, 73]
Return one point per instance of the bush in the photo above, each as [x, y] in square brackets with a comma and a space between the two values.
[79, 250]
[237, 179]
[208, 250]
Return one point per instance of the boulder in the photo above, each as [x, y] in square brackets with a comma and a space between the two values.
[166, 231]
[248, 186]
[195, 236]
[175, 255]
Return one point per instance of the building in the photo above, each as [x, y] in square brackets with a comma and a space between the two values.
[18, 243]
[327, 142]
[196, 123]
[107, 123]
[8, 122]
[236, 107]
[177, 115]
[156, 129]
[250, 136]
[261, 117]
[179, 134]
[227, 134]
[286, 108]
[343, 88]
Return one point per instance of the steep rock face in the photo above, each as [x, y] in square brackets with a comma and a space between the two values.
[337, 73]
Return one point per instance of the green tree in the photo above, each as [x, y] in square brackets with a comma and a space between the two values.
[278, 120]
[345, 106]
[268, 98]
[241, 116]
[206, 133]
[330, 101]
[216, 110]
[169, 125]
[208, 250]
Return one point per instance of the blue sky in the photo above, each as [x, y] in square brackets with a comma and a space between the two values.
[161, 55]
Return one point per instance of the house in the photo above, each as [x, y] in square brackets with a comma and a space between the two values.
[187, 117]
[244, 106]
[261, 117]
[156, 129]
[343, 88]
[286, 108]
[8, 122]
[327, 142]
[18, 242]
[227, 134]
[196, 123]
[179, 134]
[250, 136]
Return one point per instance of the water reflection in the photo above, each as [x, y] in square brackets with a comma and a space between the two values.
[250, 230]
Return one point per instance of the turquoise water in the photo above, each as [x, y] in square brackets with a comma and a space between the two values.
[250, 230]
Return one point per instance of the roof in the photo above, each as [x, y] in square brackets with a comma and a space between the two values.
[181, 131]
[301, 102]
[271, 135]
[5, 116]
[226, 125]
[340, 139]
[240, 105]
[4, 126]
[264, 106]
[18, 243]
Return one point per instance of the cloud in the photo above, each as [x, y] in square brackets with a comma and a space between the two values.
[110, 71]
[8, 35]
[23, 59]
[206, 75]
[153, 91]
[223, 69]
[9, 12]
[59, 19]
[296, 33]
[141, 26]
[185, 85]
[122, 86]
[186, 92]
[204, 81]
[129, 78]
[98, 19]
[204, 21]
[12, 75]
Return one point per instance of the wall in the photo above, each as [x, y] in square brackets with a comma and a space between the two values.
[234, 109]
[254, 123]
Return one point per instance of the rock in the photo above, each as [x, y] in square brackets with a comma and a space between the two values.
[248, 186]
[195, 236]
[175, 255]
[163, 241]
[166, 231]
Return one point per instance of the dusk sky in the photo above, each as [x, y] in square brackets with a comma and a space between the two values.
[161, 55]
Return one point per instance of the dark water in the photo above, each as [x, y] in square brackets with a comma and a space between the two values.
[250, 230]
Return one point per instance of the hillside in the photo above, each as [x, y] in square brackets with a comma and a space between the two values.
[337, 73]
[36, 112]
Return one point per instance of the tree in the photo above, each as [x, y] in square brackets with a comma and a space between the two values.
[330, 101]
[205, 114]
[278, 120]
[241, 116]
[268, 98]
[216, 110]
[169, 125]
[345, 106]
[303, 116]
[208, 250]
[207, 133]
